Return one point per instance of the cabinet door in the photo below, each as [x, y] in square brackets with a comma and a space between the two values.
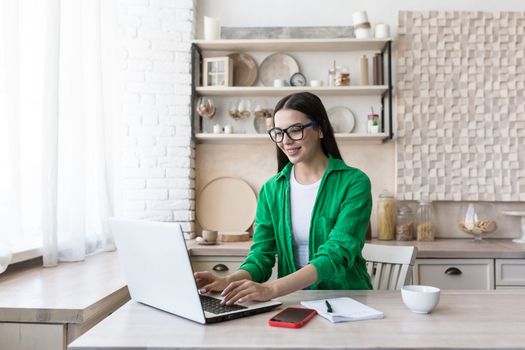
[32, 336]
[221, 265]
[510, 272]
[455, 273]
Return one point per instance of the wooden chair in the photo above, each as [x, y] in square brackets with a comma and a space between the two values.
[389, 267]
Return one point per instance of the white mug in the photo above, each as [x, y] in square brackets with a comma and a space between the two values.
[217, 129]
[316, 83]
[359, 17]
[382, 31]
[279, 83]
[212, 28]
[363, 33]
[228, 129]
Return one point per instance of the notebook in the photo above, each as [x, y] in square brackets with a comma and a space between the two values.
[343, 309]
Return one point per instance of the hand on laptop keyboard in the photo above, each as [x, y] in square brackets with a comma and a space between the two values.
[213, 305]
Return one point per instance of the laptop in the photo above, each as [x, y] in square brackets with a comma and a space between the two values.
[159, 273]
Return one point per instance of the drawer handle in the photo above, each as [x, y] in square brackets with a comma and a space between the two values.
[220, 268]
[453, 271]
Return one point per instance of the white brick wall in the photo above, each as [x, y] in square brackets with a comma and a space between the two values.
[158, 160]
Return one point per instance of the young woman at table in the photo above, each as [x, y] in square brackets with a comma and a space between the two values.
[313, 214]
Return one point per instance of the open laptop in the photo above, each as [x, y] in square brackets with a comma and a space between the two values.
[159, 273]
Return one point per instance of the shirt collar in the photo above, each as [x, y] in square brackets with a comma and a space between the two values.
[333, 164]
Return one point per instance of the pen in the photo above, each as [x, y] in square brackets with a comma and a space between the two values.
[328, 306]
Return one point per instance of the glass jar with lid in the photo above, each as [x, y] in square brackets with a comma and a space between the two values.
[386, 210]
[425, 228]
[404, 223]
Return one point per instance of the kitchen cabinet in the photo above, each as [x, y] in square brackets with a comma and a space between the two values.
[470, 273]
[455, 273]
[221, 265]
[302, 47]
[510, 273]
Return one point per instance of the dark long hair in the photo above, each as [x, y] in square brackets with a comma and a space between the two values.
[311, 106]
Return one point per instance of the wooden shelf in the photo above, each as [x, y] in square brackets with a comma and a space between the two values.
[264, 138]
[293, 45]
[281, 91]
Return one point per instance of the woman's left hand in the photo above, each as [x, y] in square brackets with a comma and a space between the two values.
[246, 290]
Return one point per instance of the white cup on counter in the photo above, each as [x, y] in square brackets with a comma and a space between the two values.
[316, 83]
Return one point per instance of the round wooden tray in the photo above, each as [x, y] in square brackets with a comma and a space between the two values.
[226, 204]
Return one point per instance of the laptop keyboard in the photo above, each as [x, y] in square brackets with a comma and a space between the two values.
[213, 305]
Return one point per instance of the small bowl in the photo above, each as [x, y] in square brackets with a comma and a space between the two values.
[420, 299]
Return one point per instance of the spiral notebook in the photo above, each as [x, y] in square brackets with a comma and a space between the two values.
[343, 310]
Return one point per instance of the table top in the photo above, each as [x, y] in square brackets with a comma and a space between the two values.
[458, 248]
[67, 293]
[463, 319]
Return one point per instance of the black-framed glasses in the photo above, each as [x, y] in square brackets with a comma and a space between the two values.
[295, 132]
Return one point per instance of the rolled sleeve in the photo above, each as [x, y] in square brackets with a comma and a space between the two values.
[261, 258]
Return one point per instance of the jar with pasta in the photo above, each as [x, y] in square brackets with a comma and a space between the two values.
[425, 228]
[386, 211]
[404, 223]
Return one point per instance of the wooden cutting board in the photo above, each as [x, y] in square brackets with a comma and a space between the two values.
[234, 236]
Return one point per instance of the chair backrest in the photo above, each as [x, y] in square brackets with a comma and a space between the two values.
[389, 267]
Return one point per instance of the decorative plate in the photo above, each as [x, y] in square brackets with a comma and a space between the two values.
[244, 69]
[277, 66]
[226, 204]
[342, 119]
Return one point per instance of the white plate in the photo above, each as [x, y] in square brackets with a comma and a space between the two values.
[226, 204]
[277, 66]
[342, 119]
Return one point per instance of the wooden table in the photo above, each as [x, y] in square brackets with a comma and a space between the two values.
[46, 308]
[463, 319]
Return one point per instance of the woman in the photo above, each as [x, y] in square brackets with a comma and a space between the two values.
[313, 214]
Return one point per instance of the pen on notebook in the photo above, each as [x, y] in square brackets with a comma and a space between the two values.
[328, 306]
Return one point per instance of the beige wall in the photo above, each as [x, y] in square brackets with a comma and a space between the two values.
[256, 163]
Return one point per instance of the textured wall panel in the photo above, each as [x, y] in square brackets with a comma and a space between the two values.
[461, 106]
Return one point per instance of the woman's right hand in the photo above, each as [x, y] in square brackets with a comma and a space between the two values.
[208, 282]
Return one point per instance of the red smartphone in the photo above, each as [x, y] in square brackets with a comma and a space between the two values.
[292, 317]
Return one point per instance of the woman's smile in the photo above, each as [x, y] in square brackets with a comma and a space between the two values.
[292, 151]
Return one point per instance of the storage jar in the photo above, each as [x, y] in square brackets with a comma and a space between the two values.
[425, 221]
[386, 210]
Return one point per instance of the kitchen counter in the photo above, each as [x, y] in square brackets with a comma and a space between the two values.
[440, 248]
[462, 320]
[57, 304]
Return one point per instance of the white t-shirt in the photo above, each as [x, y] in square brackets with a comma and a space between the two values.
[302, 200]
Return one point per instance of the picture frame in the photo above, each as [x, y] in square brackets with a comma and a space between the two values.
[217, 71]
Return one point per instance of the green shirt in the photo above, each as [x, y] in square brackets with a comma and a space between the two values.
[340, 218]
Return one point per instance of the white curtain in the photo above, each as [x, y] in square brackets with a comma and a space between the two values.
[60, 110]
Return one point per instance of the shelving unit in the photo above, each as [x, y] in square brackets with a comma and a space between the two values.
[280, 91]
[290, 45]
[264, 138]
[293, 45]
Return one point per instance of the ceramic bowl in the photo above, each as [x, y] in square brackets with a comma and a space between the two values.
[420, 299]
